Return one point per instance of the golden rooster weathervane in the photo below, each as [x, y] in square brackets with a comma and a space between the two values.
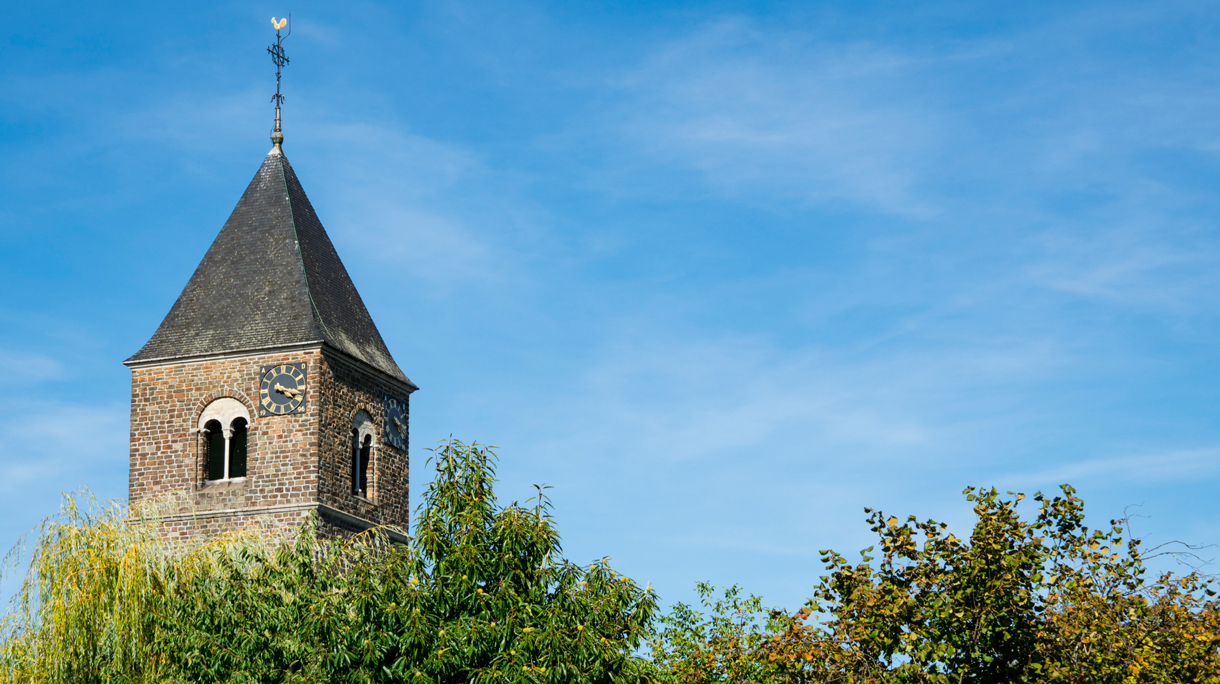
[280, 59]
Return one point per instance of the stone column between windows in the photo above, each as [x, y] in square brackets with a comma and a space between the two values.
[228, 432]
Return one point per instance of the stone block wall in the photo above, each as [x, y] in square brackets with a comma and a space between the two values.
[347, 388]
[187, 527]
[292, 461]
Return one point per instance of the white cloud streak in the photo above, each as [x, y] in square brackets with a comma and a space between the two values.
[46, 443]
[21, 368]
[1168, 467]
[393, 196]
[766, 113]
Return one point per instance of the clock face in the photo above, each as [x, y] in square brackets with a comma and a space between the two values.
[395, 423]
[282, 390]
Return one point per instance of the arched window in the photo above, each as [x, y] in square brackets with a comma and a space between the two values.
[225, 426]
[237, 448]
[365, 452]
[356, 463]
[362, 454]
[216, 450]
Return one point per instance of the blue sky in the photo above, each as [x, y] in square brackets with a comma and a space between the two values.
[721, 273]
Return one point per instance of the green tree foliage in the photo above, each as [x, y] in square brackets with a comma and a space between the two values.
[720, 645]
[1040, 600]
[481, 594]
[82, 613]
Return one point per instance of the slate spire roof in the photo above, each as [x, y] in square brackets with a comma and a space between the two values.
[271, 279]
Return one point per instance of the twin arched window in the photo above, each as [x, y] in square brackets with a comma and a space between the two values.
[225, 425]
[226, 449]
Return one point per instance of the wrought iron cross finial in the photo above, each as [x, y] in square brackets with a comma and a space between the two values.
[280, 60]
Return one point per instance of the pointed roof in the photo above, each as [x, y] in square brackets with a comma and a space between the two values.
[271, 278]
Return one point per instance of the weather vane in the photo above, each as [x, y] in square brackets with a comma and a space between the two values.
[280, 59]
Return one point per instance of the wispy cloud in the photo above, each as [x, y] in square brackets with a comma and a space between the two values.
[42, 444]
[395, 198]
[48, 447]
[761, 113]
[1023, 149]
[1173, 466]
[23, 368]
[685, 400]
[1134, 266]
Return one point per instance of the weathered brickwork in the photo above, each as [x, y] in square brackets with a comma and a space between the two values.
[347, 389]
[292, 460]
[269, 524]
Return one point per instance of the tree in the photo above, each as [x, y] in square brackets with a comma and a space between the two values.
[1036, 600]
[721, 645]
[83, 611]
[481, 594]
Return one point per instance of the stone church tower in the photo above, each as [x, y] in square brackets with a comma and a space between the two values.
[267, 394]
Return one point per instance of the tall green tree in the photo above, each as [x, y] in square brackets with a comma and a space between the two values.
[481, 594]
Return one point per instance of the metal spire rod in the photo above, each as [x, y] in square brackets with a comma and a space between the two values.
[280, 59]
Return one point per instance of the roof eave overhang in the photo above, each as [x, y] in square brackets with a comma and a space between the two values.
[274, 349]
[403, 382]
[134, 363]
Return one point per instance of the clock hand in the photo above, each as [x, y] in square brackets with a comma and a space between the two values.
[284, 390]
[402, 429]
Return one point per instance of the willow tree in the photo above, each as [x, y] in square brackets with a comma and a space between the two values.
[85, 609]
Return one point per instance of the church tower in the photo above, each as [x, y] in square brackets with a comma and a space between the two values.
[267, 394]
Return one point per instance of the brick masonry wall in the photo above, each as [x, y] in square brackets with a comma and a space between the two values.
[294, 459]
[346, 390]
[183, 529]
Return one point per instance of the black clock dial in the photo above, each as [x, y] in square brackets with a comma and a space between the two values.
[282, 390]
[395, 423]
